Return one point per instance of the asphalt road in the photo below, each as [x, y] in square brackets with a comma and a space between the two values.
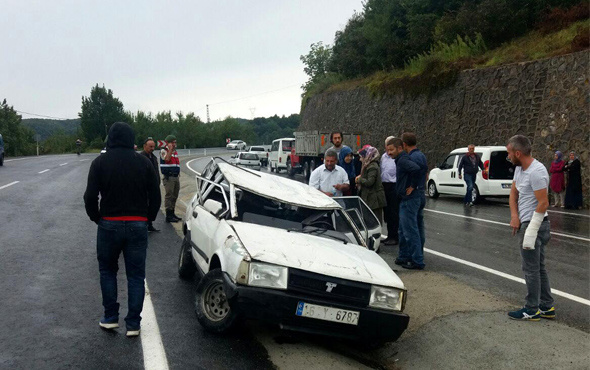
[51, 296]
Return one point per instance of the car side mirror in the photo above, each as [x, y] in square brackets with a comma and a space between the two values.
[214, 207]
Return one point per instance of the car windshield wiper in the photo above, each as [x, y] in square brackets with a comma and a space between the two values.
[320, 232]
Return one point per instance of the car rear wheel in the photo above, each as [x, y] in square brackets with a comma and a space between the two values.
[272, 169]
[306, 171]
[211, 305]
[432, 191]
[186, 264]
[2, 160]
[290, 170]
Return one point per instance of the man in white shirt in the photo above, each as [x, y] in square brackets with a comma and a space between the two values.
[528, 211]
[388, 179]
[330, 178]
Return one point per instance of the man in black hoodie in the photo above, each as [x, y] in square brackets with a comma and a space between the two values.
[129, 192]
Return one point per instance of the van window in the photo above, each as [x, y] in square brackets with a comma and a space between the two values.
[449, 162]
[275, 146]
[287, 145]
[500, 168]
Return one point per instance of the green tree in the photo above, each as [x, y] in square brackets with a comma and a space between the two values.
[99, 111]
[18, 139]
[316, 64]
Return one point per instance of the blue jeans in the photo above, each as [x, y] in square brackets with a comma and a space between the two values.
[533, 266]
[129, 237]
[411, 235]
[469, 181]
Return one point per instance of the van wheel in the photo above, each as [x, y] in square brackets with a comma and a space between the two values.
[290, 170]
[306, 171]
[272, 169]
[475, 197]
[432, 191]
[211, 305]
[186, 264]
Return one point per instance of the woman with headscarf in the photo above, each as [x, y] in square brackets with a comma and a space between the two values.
[369, 185]
[573, 191]
[557, 183]
[346, 161]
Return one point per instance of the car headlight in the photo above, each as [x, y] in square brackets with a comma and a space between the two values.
[386, 298]
[263, 275]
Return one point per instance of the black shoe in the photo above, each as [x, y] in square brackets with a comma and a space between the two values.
[412, 266]
[400, 262]
[153, 229]
[170, 217]
[390, 242]
[176, 218]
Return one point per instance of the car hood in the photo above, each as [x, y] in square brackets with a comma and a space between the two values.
[315, 254]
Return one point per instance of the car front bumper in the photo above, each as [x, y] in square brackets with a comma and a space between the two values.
[279, 307]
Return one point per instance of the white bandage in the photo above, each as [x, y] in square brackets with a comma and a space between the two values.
[530, 235]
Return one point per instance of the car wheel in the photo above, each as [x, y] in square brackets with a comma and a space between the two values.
[211, 305]
[432, 191]
[272, 169]
[2, 160]
[186, 263]
[290, 170]
[306, 171]
[475, 197]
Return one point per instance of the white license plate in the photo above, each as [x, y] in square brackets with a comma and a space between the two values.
[506, 186]
[327, 313]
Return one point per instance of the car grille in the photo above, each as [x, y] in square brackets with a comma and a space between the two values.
[317, 285]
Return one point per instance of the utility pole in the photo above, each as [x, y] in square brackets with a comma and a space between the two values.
[208, 119]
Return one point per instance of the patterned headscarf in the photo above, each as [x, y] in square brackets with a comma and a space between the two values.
[575, 157]
[369, 155]
[559, 156]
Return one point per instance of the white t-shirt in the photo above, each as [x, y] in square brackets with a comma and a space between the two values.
[534, 178]
[325, 180]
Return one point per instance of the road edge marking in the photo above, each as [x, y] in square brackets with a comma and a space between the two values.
[504, 224]
[154, 354]
[43, 171]
[189, 167]
[7, 185]
[506, 276]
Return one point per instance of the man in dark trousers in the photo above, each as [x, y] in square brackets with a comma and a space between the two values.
[129, 193]
[148, 151]
[407, 179]
[469, 164]
[388, 178]
[170, 167]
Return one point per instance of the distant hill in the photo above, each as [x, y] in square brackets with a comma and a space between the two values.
[48, 127]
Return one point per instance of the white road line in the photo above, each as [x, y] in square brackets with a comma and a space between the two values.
[189, 167]
[7, 185]
[15, 159]
[506, 276]
[561, 212]
[63, 164]
[43, 171]
[82, 160]
[154, 354]
[504, 224]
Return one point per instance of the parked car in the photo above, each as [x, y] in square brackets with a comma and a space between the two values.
[496, 182]
[277, 250]
[237, 145]
[1, 151]
[280, 151]
[262, 153]
[247, 160]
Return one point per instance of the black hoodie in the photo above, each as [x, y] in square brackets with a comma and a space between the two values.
[126, 181]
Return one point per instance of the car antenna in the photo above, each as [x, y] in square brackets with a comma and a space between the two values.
[243, 169]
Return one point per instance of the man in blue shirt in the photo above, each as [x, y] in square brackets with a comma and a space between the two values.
[407, 181]
[409, 140]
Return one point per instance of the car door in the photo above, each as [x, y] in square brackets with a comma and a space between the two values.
[364, 219]
[447, 175]
[204, 223]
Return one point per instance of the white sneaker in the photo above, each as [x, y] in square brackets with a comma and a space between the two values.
[108, 325]
[133, 333]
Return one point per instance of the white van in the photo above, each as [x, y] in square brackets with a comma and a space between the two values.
[280, 151]
[495, 183]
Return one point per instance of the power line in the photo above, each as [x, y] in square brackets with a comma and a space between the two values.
[250, 96]
[41, 115]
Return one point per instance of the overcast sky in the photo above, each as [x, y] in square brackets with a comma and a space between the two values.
[163, 55]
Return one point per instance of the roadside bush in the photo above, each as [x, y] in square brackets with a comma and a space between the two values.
[97, 143]
[558, 18]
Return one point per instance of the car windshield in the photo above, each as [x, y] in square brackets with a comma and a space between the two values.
[249, 156]
[235, 141]
[331, 224]
[256, 149]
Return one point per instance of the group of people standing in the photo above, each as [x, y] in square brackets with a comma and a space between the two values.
[570, 195]
[392, 185]
[123, 198]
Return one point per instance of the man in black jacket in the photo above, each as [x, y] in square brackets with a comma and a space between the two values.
[149, 145]
[470, 163]
[129, 196]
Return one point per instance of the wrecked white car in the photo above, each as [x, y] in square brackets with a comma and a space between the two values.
[276, 250]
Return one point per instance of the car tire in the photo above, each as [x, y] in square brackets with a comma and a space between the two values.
[272, 169]
[290, 170]
[2, 160]
[211, 306]
[432, 191]
[475, 197]
[306, 171]
[186, 263]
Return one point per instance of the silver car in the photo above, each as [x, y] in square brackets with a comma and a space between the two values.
[247, 160]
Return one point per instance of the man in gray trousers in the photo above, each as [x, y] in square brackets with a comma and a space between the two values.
[528, 211]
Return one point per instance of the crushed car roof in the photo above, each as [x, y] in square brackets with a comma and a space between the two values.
[277, 188]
